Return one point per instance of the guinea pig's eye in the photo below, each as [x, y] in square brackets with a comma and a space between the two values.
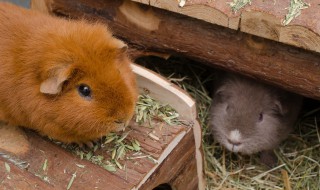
[260, 116]
[84, 90]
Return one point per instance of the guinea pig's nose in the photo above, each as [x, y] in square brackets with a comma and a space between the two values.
[235, 143]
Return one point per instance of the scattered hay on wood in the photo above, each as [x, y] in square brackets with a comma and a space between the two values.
[294, 8]
[236, 5]
[148, 109]
[119, 148]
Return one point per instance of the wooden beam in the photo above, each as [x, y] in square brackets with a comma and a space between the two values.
[151, 29]
[261, 18]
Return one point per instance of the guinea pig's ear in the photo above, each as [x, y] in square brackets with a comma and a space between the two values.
[279, 108]
[124, 48]
[53, 84]
[121, 46]
[221, 95]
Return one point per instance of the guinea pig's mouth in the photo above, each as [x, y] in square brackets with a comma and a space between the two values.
[233, 147]
[239, 147]
[121, 126]
[233, 141]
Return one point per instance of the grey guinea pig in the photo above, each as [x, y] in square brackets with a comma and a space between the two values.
[250, 117]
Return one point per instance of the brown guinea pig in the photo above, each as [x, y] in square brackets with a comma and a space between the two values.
[69, 80]
[249, 117]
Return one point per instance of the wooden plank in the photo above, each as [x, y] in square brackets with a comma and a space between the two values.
[151, 82]
[16, 178]
[183, 178]
[261, 18]
[61, 166]
[209, 11]
[290, 68]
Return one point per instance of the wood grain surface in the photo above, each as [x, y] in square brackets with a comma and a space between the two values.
[261, 18]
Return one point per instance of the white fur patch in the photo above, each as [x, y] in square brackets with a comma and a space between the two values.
[235, 135]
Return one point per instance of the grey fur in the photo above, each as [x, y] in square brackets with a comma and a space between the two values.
[237, 104]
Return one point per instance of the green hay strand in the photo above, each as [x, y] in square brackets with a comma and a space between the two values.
[294, 10]
[236, 5]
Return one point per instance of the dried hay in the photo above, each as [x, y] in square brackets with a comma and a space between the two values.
[299, 155]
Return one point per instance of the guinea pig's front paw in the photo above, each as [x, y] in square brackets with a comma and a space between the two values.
[268, 158]
[88, 144]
